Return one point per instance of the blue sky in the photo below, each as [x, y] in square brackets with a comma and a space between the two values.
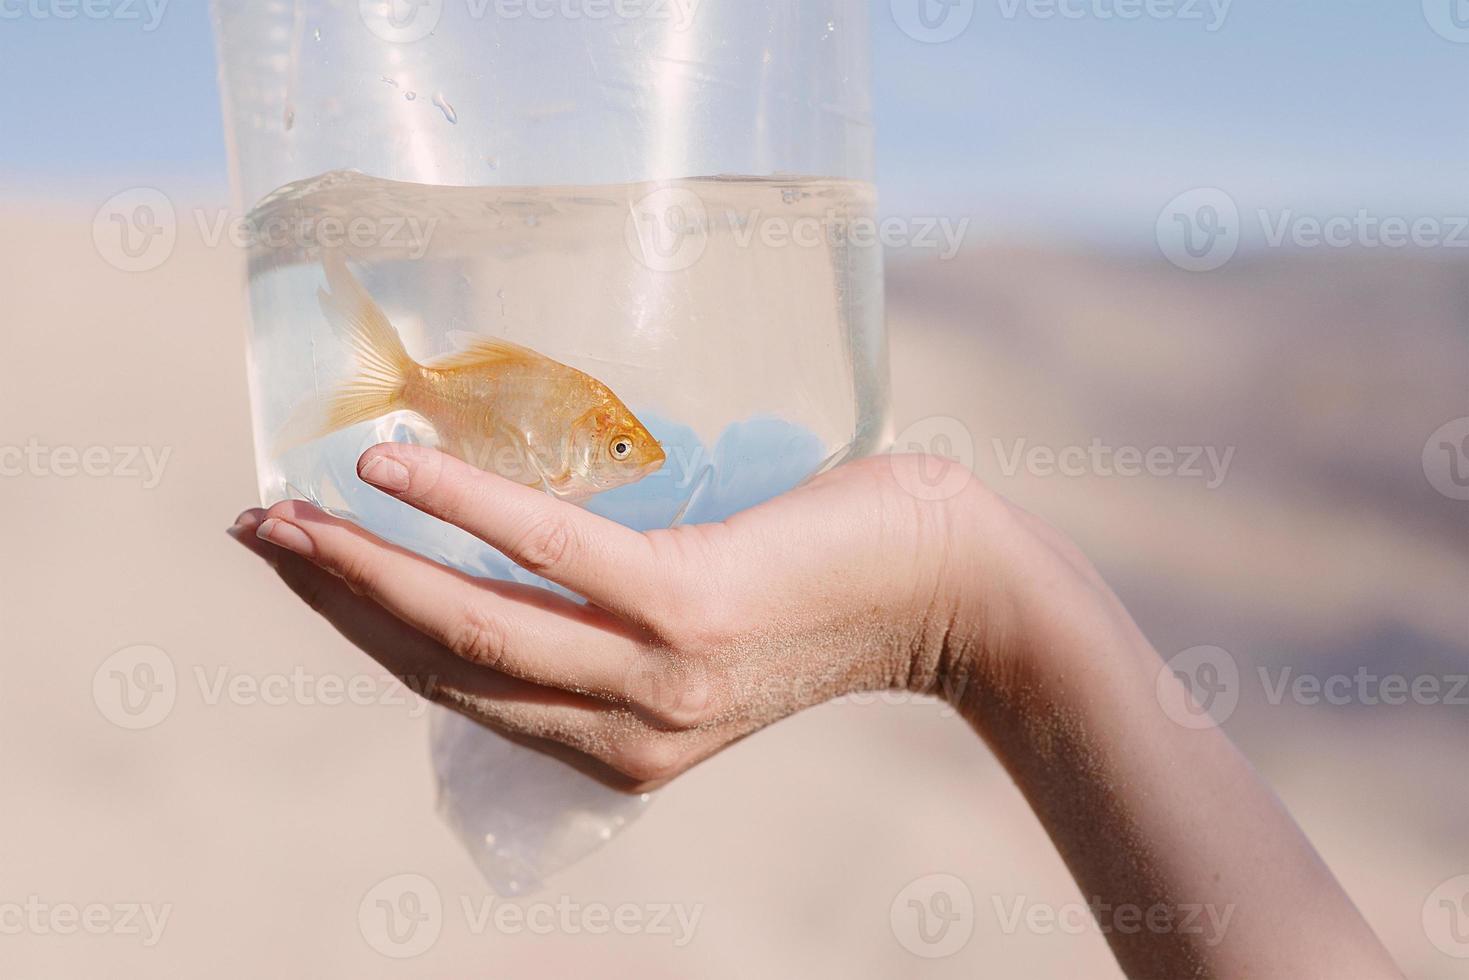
[1080, 126]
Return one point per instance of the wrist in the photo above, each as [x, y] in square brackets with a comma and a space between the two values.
[1022, 624]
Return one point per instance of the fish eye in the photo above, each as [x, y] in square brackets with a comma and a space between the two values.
[621, 447]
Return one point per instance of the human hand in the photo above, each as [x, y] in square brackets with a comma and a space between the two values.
[692, 637]
[697, 636]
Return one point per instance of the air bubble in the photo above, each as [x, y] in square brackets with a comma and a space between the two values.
[446, 108]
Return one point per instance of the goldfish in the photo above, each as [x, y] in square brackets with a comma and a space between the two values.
[496, 405]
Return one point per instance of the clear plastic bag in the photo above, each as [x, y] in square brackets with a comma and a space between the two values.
[598, 182]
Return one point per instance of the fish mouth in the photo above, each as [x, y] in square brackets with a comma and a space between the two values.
[653, 465]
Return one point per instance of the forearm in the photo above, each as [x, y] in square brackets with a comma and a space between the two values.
[1191, 863]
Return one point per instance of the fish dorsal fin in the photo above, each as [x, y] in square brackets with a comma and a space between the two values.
[479, 351]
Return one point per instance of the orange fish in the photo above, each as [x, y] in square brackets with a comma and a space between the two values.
[496, 405]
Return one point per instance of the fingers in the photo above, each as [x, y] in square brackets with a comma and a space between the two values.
[529, 634]
[610, 744]
[609, 564]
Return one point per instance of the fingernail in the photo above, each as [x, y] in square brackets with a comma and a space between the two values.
[387, 473]
[243, 524]
[287, 536]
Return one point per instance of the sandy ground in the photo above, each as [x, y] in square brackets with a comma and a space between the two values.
[261, 830]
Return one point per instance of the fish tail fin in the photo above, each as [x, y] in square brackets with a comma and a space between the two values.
[384, 367]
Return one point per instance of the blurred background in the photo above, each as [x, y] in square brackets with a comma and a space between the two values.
[1210, 315]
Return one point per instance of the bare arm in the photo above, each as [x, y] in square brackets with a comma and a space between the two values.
[696, 637]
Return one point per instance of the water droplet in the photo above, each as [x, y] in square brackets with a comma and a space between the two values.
[790, 195]
[446, 108]
[316, 34]
[290, 117]
[492, 162]
[391, 80]
[410, 96]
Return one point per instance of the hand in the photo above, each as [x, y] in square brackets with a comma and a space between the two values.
[692, 637]
[695, 637]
